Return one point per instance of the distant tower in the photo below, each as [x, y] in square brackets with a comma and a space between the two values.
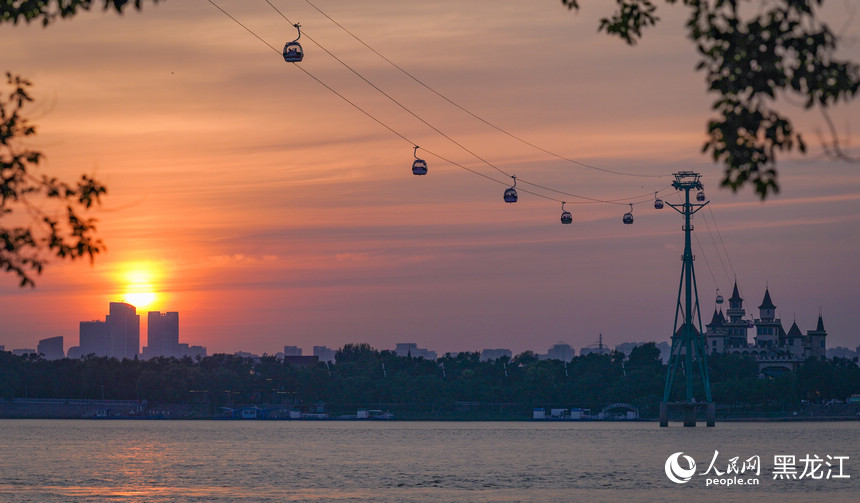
[688, 341]
[123, 331]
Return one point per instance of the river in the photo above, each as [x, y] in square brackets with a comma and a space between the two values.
[399, 461]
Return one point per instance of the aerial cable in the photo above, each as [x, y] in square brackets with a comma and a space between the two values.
[394, 131]
[705, 257]
[465, 110]
[392, 99]
[722, 243]
[434, 128]
[716, 248]
[353, 104]
[623, 201]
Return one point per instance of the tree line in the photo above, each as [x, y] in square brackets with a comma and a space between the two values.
[362, 376]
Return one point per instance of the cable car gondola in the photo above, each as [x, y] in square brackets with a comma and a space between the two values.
[628, 217]
[719, 297]
[658, 203]
[700, 196]
[293, 50]
[419, 166]
[566, 217]
[511, 192]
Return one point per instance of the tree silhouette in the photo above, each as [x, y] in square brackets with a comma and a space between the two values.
[780, 48]
[45, 213]
[47, 11]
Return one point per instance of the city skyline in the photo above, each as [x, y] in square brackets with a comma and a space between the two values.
[269, 212]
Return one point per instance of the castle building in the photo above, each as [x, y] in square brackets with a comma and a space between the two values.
[776, 350]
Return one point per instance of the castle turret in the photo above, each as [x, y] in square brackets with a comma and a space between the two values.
[715, 333]
[736, 325]
[816, 340]
[768, 326]
[794, 341]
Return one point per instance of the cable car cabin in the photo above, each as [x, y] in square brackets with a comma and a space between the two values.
[419, 167]
[700, 196]
[658, 204]
[293, 52]
[566, 217]
[719, 297]
[628, 217]
[510, 195]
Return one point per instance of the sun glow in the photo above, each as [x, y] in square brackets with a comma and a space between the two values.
[139, 283]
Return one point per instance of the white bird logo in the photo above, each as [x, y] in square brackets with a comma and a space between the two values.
[676, 473]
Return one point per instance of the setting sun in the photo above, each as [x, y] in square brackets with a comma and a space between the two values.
[139, 289]
[140, 299]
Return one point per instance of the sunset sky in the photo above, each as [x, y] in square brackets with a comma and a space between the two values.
[269, 212]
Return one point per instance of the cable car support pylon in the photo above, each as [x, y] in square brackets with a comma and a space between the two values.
[688, 342]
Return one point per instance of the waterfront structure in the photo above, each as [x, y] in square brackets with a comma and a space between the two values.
[775, 350]
[51, 348]
[123, 331]
[162, 335]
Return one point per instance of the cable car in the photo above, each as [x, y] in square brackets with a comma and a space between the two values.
[700, 196]
[419, 166]
[511, 192]
[566, 217]
[719, 297]
[658, 203]
[293, 50]
[628, 217]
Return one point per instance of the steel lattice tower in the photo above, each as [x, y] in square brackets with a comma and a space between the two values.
[688, 344]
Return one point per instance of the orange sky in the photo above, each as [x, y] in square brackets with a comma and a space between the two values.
[269, 212]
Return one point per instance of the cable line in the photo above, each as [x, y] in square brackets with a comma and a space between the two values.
[411, 142]
[465, 110]
[392, 99]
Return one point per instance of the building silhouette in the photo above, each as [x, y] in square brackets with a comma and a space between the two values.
[51, 348]
[292, 351]
[412, 349]
[775, 350]
[162, 335]
[325, 354]
[123, 331]
[92, 337]
[488, 354]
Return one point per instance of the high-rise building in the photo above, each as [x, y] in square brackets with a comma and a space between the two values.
[292, 351]
[123, 331]
[51, 348]
[162, 335]
[92, 338]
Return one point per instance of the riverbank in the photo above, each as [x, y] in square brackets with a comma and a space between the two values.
[133, 409]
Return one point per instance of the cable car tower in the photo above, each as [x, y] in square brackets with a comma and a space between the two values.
[688, 342]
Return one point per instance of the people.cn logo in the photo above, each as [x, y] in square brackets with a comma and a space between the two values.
[676, 472]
